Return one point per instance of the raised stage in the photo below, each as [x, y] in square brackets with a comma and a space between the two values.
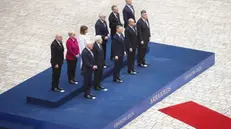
[32, 105]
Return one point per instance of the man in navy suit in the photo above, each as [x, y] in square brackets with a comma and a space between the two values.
[57, 58]
[143, 28]
[89, 66]
[114, 21]
[118, 46]
[99, 60]
[101, 28]
[128, 12]
[131, 41]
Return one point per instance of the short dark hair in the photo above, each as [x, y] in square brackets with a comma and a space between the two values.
[113, 6]
[83, 29]
[143, 11]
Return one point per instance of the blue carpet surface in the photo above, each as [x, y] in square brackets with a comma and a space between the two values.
[10, 125]
[167, 63]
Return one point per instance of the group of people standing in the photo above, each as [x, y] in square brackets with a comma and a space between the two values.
[134, 39]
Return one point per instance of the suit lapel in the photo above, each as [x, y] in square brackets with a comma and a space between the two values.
[60, 45]
[119, 38]
[118, 18]
[130, 9]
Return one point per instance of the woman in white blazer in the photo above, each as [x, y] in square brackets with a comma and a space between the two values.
[82, 39]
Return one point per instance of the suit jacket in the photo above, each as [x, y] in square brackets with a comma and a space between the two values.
[114, 22]
[99, 54]
[127, 13]
[131, 38]
[88, 61]
[72, 49]
[57, 53]
[101, 29]
[143, 30]
[118, 45]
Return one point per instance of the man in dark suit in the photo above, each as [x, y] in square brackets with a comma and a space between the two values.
[144, 35]
[128, 12]
[102, 29]
[118, 46]
[88, 67]
[57, 58]
[99, 59]
[114, 21]
[131, 41]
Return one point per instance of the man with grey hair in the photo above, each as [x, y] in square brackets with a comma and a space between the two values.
[88, 67]
[143, 28]
[57, 58]
[101, 28]
[99, 61]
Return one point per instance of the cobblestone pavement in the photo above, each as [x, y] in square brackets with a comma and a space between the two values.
[27, 27]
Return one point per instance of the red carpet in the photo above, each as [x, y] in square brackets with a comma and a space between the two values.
[198, 116]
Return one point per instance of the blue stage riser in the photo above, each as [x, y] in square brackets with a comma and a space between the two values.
[170, 68]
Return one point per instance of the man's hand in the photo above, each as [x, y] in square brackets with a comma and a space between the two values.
[142, 42]
[116, 57]
[77, 56]
[106, 37]
[95, 67]
[125, 53]
[130, 49]
[56, 66]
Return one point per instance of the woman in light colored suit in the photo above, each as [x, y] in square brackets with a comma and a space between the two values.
[82, 39]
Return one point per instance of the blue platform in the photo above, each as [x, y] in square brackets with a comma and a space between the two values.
[170, 68]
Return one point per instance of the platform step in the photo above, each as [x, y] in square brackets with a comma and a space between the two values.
[11, 125]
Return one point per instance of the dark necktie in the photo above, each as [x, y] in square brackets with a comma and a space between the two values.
[121, 36]
[117, 17]
[134, 29]
[100, 47]
[146, 21]
[133, 11]
[104, 24]
[92, 54]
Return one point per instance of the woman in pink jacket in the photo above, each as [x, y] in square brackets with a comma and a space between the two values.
[72, 57]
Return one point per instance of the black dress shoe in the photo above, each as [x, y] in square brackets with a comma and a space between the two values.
[118, 80]
[89, 96]
[105, 66]
[143, 65]
[97, 88]
[73, 82]
[131, 72]
[102, 88]
[58, 90]
[134, 71]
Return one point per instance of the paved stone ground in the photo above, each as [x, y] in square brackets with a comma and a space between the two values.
[27, 27]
